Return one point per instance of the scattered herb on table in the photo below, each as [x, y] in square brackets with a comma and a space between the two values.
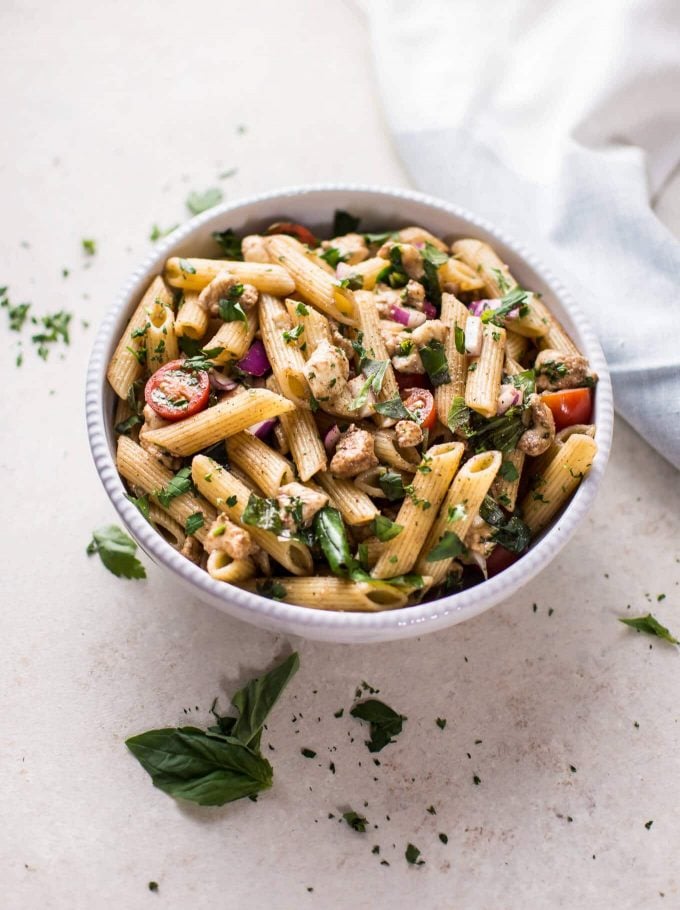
[201, 202]
[117, 551]
[444, 838]
[158, 232]
[441, 722]
[412, 854]
[89, 247]
[308, 753]
[224, 763]
[384, 722]
[651, 626]
[229, 243]
[355, 821]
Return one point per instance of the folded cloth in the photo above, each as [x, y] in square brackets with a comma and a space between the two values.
[560, 122]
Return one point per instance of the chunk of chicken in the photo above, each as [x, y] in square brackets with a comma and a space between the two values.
[432, 330]
[354, 453]
[229, 538]
[192, 549]
[411, 259]
[340, 341]
[219, 289]
[326, 370]
[352, 247]
[254, 248]
[299, 504]
[541, 433]
[559, 370]
[413, 294]
[409, 433]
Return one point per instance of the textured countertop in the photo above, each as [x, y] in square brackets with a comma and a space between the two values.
[567, 720]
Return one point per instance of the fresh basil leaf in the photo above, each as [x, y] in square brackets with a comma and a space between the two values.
[514, 535]
[392, 485]
[189, 346]
[301, 309]
[291, 335]
[194, 522]
[526, 381]
[262, 513]
[274, 590]
[508, 472]
[394, 408]
[201, 202]
[501, 433]
[362, 555]
[204, 768]
[430, 253]
[433, 358]
[492, 513]
[459, 335]
[412, 854]
[449, 546]
[385, 529]
[333, 256]
[229, 243]
[186, 267]
[256, 699]
[230, 308]
[456, 513]
[352, 282]
[117, 551]
[179, 484]
[380, 238]
[125, 426]
[515, 299]
[374, 371]
[411, 580]
[344, 223]
[355, 821]
[141, 502]
[651, 626]
[430, 281]
[331, 535]
[459, 418]
[384, 722]
[202, 360]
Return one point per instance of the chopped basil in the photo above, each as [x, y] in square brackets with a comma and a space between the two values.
[510, 533]
[380, 238]
[433, 357]
[651, 626]
[344, 223]
[179, 484]
[228, 243]
[157, 232]
[441, 722]
[333, 256]
[301, 309]
[230, 308]
[456, 513]
[385, 529]
[194, 522]
[459, 418]
[89, 247]
[394, 408]
[232, 500]
[186, 267]
[352, 282]
[384, 722]
[262, 513]
[125, 426]
[432, 259]
[412, 854]
[448, 547]
[292, 335]
[274, 590]
[514, 299]
[374, 371]
[202, 360]
[201, 202]
[459, 335]
[355, 821]
[117, 551]
[501, 281]
[142, 503]
[331, 535]
[392, 485]
[508, 472]
[308, 753]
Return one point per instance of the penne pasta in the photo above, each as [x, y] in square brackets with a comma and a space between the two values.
[161, 340]
[192, 317]
[328, 593]
[355, 506]
[485, 372]
[282, 349]
[317, 328]
[224, 419]
[454, 315]
[195, 274]
[222, 567]
[267, 468]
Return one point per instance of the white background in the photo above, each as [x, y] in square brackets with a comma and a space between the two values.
[112, 114]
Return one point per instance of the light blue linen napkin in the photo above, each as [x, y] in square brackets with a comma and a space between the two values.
[559, 122]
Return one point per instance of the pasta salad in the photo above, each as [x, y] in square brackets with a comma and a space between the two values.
[358, 423]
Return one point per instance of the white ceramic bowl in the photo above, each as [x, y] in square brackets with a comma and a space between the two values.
[380, 208]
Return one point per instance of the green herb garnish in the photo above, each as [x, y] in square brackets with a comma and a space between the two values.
[433, 357]
[194, 522]
[344, 223]
[448, 547]
[651, 626]
[117, 551]
[384, 722]
[179, 484]
[201, 202]
[229, 243]
[385, 529]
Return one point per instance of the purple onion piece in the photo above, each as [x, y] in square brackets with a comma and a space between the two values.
[256, 362]
[221, 383]
[264, 428]
[331, 438]
[399, 314]
[429, 309]
[509, 397]
[343, 270]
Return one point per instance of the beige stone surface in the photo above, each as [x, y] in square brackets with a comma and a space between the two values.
[112, 114]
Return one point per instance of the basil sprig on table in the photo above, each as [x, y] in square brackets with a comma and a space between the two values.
[384, 722]
[117, 551]
[216, 766]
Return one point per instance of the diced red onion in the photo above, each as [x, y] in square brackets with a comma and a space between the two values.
[331, 438]
[477, 307]
[220, 382]
[409, 317]
[429, 309]
[256, 362]
[508, 397]
[343, 270]
[264, 428]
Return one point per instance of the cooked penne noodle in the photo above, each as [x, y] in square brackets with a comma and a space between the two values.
[461, 276]
[224, 419]
[234, 338]
[329, 593]
[284, 355]
[558, 481]
[355, 506]
[161, 339]
[316, 326]
[458, 510]
[165, 524]
[302, 436]
[142, 470]
[385, 445]
[312, 283]
[369, 270]
[557, 338]
[192, 317]
[505, 489]
[374, 344]
[485, 372]
[127, 363]
[222, 567]
[229, 495]
[454, 315]
[266, 467]
[419, 509]
[538, 465]
[195, 274]
[516, 345]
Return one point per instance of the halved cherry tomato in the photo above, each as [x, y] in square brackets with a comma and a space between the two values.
[500, 559]
[412, 380]
[303, 234]
[175, 392]
[421, 403]
[570, 406]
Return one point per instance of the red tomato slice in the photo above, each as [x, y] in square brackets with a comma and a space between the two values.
[412, 380]
[570, 406]
[421, 403]
[303, 234]
[175, 392]
[500, 559]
